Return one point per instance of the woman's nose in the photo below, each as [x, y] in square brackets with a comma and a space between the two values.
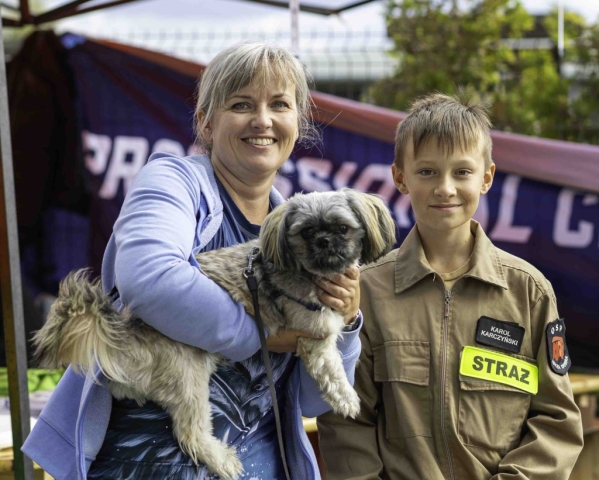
[262, 119]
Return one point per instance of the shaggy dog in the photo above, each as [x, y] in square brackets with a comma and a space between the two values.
[310, 236]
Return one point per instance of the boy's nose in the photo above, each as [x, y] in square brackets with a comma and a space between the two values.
[445, 188]
[261, 119]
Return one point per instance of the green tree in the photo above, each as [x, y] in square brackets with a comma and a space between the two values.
[443, 47]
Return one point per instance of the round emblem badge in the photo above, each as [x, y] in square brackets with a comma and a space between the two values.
[559, 358]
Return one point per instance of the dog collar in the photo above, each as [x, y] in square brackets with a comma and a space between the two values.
[314, 307]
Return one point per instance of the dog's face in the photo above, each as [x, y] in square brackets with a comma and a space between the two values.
[323, 233]
[326, 232]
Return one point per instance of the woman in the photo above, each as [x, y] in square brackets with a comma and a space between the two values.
[253, 106]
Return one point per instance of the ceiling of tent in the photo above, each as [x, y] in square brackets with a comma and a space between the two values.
[17, 13]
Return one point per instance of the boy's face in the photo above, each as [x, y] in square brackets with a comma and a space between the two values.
[444, 190]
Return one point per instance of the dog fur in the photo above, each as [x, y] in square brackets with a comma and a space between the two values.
[310, 236]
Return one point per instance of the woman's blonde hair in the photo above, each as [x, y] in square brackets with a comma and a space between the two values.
[453, 121]
[245, 63]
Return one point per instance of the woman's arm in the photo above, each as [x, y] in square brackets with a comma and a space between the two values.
[154, 236]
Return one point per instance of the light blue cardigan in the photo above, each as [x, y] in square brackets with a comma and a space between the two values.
[171, 211]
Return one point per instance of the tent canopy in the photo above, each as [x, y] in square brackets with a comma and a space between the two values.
[78, 7]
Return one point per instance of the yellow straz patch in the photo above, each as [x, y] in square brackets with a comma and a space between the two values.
[500, 368]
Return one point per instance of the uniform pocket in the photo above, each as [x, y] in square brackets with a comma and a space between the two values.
[403, 369]
[491, 414]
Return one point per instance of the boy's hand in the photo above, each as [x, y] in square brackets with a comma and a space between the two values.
[341, 292]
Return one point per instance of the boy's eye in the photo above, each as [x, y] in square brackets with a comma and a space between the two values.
[425, 172]
[463, 172]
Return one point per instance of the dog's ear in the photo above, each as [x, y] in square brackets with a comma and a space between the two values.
[273, 239]
[377, 222]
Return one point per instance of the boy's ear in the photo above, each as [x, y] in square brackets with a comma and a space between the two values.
[398, 178]
[488, 179]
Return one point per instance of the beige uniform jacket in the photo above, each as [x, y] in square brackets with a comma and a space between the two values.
[421, 419]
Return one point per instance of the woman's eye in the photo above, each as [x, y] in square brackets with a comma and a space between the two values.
[280, 104]
[240, 106]
[343, 229]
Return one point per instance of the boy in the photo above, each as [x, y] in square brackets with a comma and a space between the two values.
[463, 369]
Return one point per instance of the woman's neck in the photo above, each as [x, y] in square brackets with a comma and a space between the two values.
[448, 251]
[252, 199]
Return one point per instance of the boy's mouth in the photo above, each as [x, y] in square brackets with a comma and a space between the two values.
[445, 206]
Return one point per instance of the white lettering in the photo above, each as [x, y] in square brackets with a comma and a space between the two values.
[282, 183]
[167, 145]
[96, 149]
[134, 149]
[504, 229]
[500, 331]
[313, 172]
[501, 338]
[343, 175]
[377, 172]
[582, 236]
[195, 149]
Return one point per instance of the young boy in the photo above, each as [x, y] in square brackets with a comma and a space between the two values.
[463, 372]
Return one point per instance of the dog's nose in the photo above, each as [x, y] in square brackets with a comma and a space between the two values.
[323, 242]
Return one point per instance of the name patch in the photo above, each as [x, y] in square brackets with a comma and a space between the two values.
[559, 358]
[496, 333]
[499, 368]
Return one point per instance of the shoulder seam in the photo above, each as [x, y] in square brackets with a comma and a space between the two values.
[516, 267]
[543, 289]
[545, 293]
[377, 264]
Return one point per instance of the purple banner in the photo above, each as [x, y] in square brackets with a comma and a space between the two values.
[130, 107]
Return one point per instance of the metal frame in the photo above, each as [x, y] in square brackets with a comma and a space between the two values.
[71, 9]
[10, 272]
[10, 284]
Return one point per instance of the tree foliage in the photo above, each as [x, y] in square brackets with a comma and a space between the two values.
[443, 45]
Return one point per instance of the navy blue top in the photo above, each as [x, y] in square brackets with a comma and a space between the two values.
[139, 443]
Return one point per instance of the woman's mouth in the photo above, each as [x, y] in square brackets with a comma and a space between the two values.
[263, 142]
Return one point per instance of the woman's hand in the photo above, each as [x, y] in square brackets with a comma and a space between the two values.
[341, 292]
[286, 340]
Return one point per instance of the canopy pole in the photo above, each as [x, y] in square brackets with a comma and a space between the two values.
[294, 7]
[560, 35]
[12, 297]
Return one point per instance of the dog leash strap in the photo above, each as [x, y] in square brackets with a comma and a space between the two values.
[252, 283]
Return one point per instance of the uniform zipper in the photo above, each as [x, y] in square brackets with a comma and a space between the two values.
[444, 380]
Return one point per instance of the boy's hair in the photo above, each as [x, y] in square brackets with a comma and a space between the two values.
[239, 65]
[454, 121]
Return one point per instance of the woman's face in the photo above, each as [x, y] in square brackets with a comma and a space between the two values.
[254, 132]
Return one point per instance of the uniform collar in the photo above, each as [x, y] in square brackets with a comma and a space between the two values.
[411, 264]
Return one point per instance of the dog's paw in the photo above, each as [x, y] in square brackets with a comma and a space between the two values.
[227, 466]
[349, 406]
[220, 458]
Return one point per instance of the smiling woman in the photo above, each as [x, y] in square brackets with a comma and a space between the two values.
[253, 106]
[252, 134]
